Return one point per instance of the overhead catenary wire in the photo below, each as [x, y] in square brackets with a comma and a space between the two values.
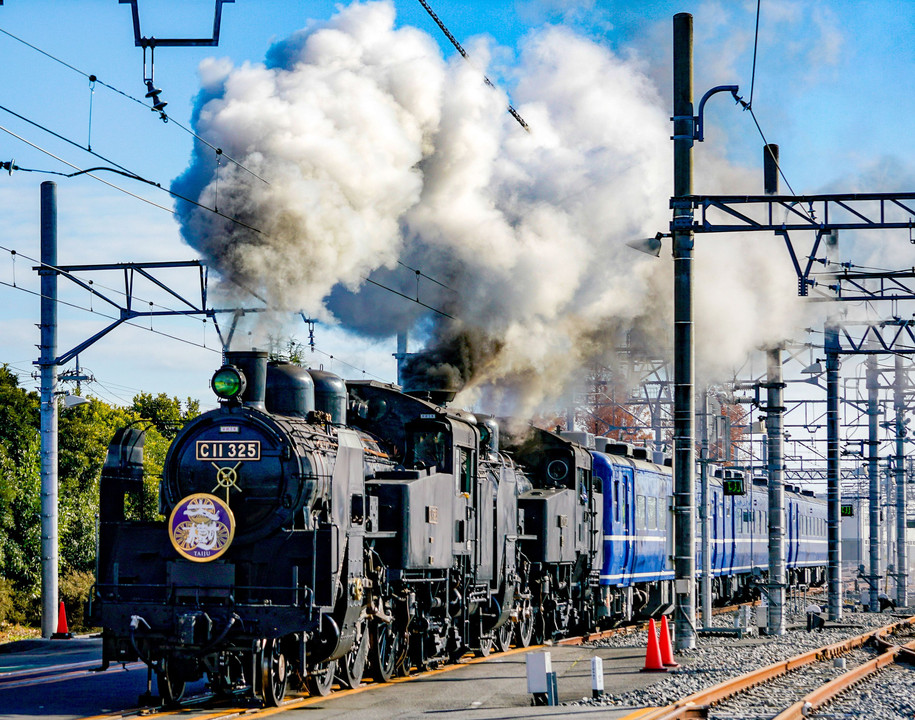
[94, 79]
[460, 48]
[36, 293]
[748, 106]
[428, 277]
[755, 46]
[169, 335]
[141, 327]
[128, 173]
[94, 283]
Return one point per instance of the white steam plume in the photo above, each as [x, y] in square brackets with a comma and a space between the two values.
[378, 152]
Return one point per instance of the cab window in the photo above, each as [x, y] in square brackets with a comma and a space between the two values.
[466, 470]
[429, 448]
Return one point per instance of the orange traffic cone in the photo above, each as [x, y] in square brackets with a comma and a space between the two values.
[667, 656]
[653, 653]
[63, 632]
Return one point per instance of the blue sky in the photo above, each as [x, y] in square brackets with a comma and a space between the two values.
[831, 88]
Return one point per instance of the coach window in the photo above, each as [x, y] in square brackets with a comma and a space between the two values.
[651, 512]
[616, 499]
[640, 512]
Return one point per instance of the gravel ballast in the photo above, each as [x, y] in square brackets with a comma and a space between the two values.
[722, 657]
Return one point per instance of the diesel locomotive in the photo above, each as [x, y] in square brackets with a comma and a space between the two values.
[318, 529]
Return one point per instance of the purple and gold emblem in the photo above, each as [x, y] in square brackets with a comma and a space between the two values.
[201, 527]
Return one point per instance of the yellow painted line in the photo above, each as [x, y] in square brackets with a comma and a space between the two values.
[306, 701]
[639, 713]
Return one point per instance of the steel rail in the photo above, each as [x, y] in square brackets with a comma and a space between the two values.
[296, 701]
[829, 691]
[697, 704]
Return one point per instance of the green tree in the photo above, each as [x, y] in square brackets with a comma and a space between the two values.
[165, 412]
[84, 435]
[288, 349]
[18, 413]
[20, 516]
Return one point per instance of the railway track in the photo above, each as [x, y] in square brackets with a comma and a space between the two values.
[206, 706]
[796, 688]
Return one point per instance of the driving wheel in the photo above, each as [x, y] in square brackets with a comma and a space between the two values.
[274, 673]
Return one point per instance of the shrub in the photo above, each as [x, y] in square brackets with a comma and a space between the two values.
[6, 600]
[74, 589]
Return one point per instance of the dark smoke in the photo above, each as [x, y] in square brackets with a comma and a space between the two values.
[451, 363]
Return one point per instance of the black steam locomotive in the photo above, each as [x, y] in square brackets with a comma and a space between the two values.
[318, 529]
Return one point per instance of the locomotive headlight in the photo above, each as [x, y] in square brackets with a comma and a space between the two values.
[228, 382]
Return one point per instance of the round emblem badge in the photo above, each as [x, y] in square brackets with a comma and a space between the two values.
[201, 527]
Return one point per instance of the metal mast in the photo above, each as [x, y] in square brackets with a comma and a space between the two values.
[774, 410]
[774, 428]
[873, 475]
[684, 400]
[833, 475]
[901, 552]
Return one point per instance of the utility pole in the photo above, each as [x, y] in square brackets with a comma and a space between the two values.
[833, 475]
[901, 552]
[684, 399]
[706, 589]
[48, 365]
[872, 380]
[774, 410]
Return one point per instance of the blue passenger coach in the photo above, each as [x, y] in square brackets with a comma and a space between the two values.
[637, 575]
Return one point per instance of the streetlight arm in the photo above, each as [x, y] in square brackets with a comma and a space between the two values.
[699, 119]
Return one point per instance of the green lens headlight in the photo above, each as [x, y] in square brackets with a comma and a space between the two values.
[228, 382]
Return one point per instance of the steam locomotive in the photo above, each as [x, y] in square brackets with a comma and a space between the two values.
[320, 529]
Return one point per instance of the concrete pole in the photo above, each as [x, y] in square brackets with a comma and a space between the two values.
[774, 411]
[901, 552]
[833, 475]
[684, 395]
[48, 347]
[887, 534]
[706, 589]
[873, 474]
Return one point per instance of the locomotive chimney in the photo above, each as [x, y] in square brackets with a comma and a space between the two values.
[253, 363]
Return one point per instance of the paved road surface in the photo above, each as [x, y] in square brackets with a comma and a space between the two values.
[54, 679]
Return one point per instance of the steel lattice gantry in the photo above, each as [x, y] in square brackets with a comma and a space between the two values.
[787, 216]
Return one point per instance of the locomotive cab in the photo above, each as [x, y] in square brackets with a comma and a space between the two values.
[561, 522]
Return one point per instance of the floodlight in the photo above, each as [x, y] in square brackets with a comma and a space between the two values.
[73, 400]
[649, 246]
